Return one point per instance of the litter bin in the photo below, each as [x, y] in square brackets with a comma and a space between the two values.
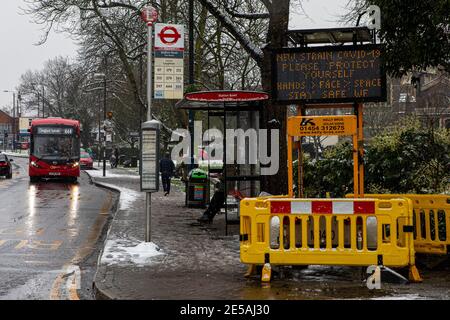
[197, 191]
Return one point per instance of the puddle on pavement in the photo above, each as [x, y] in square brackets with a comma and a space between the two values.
[313, 282]
[294, 285]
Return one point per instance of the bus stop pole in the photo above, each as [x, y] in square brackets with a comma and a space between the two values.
[148, 197]
[148, 213]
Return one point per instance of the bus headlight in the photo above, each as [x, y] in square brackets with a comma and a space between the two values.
[34, 164]
[75, 164]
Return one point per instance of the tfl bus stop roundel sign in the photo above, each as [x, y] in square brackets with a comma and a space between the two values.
[169, 61]
[169, 37]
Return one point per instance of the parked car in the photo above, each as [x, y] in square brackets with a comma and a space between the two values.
[22, 145]
[5, 166]
[86, 161]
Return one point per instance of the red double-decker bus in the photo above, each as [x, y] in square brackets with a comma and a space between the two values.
[54, 149]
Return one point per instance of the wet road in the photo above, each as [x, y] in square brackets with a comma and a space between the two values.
[49, 236]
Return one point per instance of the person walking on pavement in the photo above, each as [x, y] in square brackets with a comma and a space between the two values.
[217, 202]
[166, 167]
[114, 159]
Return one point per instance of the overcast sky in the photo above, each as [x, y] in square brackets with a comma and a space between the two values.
[18, 52]
[18, 35]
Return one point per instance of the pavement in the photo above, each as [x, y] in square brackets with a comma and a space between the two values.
[186, 260]
[194, 261]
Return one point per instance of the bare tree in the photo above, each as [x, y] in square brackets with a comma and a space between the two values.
[276, 17]
[57, 90]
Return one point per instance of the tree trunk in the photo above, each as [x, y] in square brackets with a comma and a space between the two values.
[279, 19]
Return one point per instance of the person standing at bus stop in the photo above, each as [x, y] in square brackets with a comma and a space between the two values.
[217, 202]
[166, 167]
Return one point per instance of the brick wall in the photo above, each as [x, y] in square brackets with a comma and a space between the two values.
[6, 122]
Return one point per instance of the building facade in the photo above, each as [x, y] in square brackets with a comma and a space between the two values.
[424, 94]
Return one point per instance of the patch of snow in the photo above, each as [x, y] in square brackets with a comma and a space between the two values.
[109, 174]
[126, 251]
[15, 154]
[401, 297]
[127, 196]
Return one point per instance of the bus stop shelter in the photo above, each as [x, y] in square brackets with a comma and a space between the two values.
[230, 110]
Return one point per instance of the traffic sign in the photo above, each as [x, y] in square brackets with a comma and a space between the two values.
[149, 15]
[169, 62]
[169, 37]
[133, 134]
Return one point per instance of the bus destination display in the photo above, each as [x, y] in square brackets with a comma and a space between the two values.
[54, 130]
[329, 74]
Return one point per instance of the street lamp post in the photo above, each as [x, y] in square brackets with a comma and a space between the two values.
[104, 117]
[43, 102]
[38, 103]
[99, 135]
[14, 123]
[191, 77]
[99, 139]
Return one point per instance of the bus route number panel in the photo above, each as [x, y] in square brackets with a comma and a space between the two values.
[329, 74]
[149, 164]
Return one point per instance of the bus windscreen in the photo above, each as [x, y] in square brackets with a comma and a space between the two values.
[49, 147]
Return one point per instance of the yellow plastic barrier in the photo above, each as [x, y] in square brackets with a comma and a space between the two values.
[347, 232]
[431, 220]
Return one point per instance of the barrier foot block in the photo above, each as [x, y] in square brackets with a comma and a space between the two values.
[414, 275]
[250, 271]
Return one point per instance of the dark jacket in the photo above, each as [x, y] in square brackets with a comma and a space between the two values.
[219, 186]
[166, 166]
